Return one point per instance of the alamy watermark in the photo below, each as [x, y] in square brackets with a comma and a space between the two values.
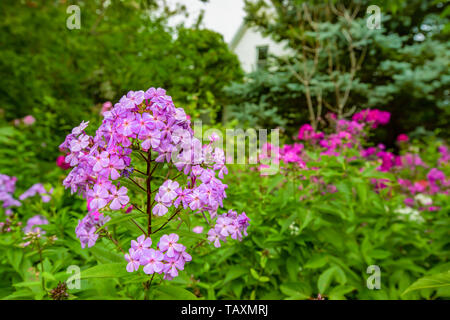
[374, 281]
[74, 20]
[374, 20]
[74, 281]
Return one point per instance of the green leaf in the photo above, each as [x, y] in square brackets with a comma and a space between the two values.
[292, 266]
[28, 284]
[234, 273]
[430, 282]
[15, 258]
[293, 291]
[105, 255]
[362, 191]
[337, 293]
[20, 295]
[325, 279]
[378, 254]
[316, 261]
[108, 270]
[288, 222]
[169, 292]
[306, 220]
[274, 182]
[254, 273]
[48, 276]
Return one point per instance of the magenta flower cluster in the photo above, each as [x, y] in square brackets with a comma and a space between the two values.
[168, 258]
[347, 134]
[373, 117]
[351, 134]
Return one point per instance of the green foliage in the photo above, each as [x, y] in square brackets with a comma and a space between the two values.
[302, 241]
[62, 75]
[440, 280]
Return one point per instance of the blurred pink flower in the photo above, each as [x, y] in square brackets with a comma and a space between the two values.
[402, 138]
[60, 162]
[106, 106]
[29, 120]
[198, 229]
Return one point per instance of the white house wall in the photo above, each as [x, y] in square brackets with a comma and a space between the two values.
[246, 49]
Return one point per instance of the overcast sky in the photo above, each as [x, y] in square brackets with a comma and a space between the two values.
[223, 16]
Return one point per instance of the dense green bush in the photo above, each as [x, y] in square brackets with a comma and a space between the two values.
[302, 240]
[325, 243]
[60, 75]
[317, 226]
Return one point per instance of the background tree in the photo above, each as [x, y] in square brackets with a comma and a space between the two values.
[58, 75]
[335, 63]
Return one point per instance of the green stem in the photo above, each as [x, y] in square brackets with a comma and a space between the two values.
[147, 285]
[149, 193]
[42, 264]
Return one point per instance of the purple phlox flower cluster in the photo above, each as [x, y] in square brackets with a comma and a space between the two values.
[7, 188]
[348, 135]
[413, 187]
[34, 222]
[229, 224]
[369, 152]
[35, 189]
[145, 120]
[387, 160]
[168, 258]
[204, 190]
[353, 128]
[87, 227]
